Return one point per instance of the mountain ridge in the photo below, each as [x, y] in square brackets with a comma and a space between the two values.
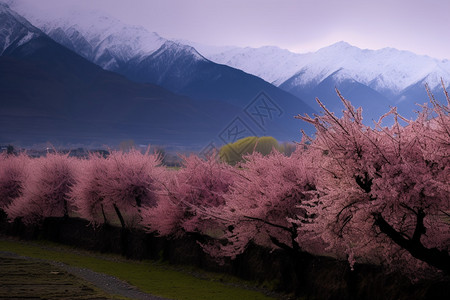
[384, 77]
[388, 71]
[337, 56]
[170, 64]
[51, 94]
[62, 95]
[371, 79]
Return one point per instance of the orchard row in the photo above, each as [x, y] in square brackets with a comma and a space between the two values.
[367, 194]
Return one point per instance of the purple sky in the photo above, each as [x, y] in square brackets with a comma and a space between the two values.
[304, 25]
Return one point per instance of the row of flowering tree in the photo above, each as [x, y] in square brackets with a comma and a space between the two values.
[367, 194]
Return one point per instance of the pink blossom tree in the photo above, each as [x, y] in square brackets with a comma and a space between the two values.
[119, 185]
[85, 193]
[384, 190]
[263, 205]
[13, 174]
[189, 193]
[46, 189]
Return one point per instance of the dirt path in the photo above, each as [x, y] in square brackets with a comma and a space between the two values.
[43, 279]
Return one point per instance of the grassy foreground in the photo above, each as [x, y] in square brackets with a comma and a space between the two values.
[152, 277]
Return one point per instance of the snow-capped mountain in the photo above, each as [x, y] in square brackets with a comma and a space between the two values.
[383, 70]
[373, 79]
[110, 43]
[271, 63]
[72, 89]
[173, 65]
[101, 38]
[96, 36]
[48, 93]
[145, 57]
[15, 30]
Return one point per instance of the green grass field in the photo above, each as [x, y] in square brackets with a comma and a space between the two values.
[153, 277]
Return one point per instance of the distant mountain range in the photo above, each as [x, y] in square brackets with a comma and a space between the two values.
[256, 90]
[51, 93]
[372, 79]
[146, 57]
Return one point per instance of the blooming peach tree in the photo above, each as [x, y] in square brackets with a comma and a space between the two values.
[86, 194]
[119, 185]
[189, 193]
[385, 190]
[46, 189]
[263, 206]
[13, 174]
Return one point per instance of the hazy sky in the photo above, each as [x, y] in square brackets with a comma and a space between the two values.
[421, 26]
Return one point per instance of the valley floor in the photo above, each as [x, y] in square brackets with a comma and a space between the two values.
[31, 278]
[43, 270]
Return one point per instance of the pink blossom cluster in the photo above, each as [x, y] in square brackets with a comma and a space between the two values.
[116, 188]
[191, 198]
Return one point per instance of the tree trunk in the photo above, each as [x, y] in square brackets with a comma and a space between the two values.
[434, 257]
[119, 215]
[105, 220]
[66, 210]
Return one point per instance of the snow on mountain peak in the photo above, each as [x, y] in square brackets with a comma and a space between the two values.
[15, 29]
[99, 37]
[181, 48]
[7, 12]
[271, 63]
[338, 46]
[384, 69]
